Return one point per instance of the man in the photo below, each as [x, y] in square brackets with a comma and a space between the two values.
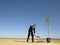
[31, 32]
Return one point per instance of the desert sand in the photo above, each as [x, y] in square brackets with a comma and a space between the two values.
[22, 41]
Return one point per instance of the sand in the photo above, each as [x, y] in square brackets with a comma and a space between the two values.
[20, 41]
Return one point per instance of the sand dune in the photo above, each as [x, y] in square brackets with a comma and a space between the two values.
[19, 41]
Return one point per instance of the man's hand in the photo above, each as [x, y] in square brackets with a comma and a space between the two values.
[30, 32]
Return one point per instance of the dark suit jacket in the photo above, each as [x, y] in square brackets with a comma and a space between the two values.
[31, 29]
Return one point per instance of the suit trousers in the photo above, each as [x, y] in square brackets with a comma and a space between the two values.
[31, 36]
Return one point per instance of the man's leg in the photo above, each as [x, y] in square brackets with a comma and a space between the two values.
[28, 37]
[32, 37]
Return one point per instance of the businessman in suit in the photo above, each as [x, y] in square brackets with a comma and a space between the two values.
[31, 32]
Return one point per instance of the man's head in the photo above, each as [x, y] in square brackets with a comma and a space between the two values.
[34, 25]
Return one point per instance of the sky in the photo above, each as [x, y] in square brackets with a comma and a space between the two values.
[17, 15]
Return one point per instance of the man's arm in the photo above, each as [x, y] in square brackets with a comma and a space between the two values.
[34, 30]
